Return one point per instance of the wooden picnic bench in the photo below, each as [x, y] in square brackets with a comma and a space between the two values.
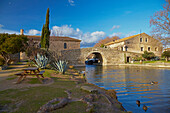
[30, 72]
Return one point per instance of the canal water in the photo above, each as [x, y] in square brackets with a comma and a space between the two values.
[134, 83]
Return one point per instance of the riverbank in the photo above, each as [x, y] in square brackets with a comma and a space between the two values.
[31, 96]
[155, 65]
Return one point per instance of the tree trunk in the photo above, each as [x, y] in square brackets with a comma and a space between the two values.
[166, 59]
[6, 58]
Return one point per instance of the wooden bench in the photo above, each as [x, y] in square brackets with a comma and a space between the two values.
[24, 74]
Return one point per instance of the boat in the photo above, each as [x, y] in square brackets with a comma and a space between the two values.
[91, 61]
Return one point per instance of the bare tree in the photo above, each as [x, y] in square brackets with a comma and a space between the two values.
[160, 23]
[106, 40]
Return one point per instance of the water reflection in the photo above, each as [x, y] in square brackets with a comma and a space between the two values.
[133, 83]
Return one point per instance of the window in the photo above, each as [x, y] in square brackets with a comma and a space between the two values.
[146, 40]
[126, 48]
[156, 48]
[140, 39]
[121, 48]
[65, 45]
[141, 48]
[149, 49]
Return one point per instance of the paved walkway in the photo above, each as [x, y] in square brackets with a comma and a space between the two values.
[13, 69]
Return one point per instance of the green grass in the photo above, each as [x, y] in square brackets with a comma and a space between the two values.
[48, 72]
[159, 61]
[11, 78]
[19, 63]
[31, 99]
[34, 81]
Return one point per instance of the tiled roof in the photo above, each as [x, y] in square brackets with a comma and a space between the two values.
[58, 38]
[124, 39]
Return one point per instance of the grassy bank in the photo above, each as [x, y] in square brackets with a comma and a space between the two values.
[159, 61]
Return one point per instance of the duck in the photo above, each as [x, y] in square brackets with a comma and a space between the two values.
[153, 82]
[138, 103]
[145, 108]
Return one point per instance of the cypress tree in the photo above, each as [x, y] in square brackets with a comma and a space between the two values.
[46, 32]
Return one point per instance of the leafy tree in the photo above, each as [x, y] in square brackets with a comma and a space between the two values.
[102, 45]
[11, 44]
[166, 54]
[106, 40]
[160, 23]
[45, 36]
[148, 55]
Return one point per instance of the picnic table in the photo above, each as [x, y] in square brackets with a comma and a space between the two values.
[30, 71]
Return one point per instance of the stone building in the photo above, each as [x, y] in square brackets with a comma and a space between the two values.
[57, 43]
[137, 44]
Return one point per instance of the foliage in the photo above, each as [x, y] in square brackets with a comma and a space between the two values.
[41, 61]
[60, 65]
[166, 54]
[160, 23]
[148, 55]
[11, 44]
[106, 40]
[31, 49]
[45, 36]
[2, 61]
[137, 58]
[102, 45]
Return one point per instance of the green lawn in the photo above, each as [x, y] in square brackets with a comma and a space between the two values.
[159, 61]
[29, 100]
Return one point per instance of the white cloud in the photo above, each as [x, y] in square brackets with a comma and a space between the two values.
[1, 26]
[71, 2]
[123, 35]
[88, 37]
[130, 33]
[8, 31]
[115, 27]
[119, 34]
[33, 32]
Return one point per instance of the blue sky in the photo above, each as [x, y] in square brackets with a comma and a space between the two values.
[88, 20]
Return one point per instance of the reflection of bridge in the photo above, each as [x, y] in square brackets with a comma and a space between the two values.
[107, 56]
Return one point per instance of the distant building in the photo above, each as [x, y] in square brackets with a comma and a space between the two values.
[57, 43]
[167, 49]
[137, 44]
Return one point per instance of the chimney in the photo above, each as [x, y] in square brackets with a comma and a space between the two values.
[22, 32]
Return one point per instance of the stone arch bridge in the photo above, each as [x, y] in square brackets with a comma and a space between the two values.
[107, 56]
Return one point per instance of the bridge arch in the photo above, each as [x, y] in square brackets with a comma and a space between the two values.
[98, 55]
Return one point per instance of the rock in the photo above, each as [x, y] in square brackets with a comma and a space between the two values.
[89, 89]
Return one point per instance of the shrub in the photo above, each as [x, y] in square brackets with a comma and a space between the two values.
[166, 54]
[148, 55]
[137, 58]
[41, 61]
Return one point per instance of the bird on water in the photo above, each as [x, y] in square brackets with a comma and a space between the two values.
[145, 108]
[138, 103]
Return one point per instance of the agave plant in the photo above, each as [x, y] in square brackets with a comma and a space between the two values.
[41, 61]
[60, 65]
